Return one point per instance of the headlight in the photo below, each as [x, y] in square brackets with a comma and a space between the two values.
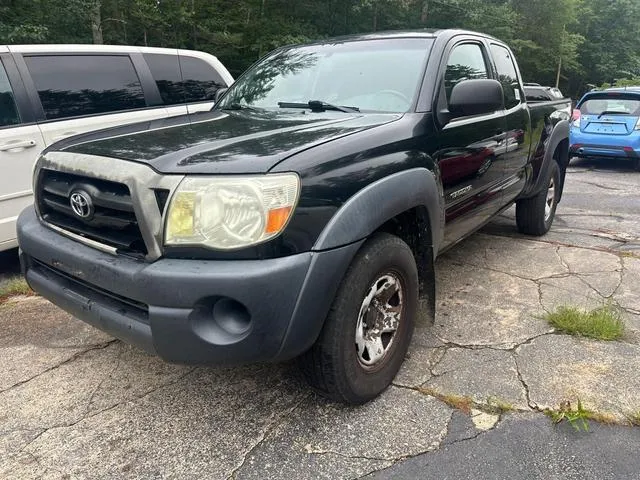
[227, 213]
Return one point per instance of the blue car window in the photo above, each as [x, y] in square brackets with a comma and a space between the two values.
[620, 106]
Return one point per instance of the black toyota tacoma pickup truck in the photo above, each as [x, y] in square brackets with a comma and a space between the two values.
[302, 215]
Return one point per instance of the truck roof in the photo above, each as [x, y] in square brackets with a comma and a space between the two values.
[391, 34]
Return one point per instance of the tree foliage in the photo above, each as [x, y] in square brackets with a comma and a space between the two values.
[591, 42]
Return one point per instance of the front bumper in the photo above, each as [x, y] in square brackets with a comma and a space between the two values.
[187, 311]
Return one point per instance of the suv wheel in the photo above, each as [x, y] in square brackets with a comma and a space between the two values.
[535, 215]
[369, 327]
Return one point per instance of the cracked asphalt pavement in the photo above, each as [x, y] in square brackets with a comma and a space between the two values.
[75, 403]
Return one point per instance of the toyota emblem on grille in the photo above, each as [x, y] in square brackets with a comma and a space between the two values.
[81, 204]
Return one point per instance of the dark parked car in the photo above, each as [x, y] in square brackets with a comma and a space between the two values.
[301, 217]
[537, 93]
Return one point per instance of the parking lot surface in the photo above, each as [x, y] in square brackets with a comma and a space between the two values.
[75, 403]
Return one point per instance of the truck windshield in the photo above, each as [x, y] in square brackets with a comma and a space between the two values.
[370, 75]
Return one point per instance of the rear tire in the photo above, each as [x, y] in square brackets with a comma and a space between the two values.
[535, 215]
[369, 327]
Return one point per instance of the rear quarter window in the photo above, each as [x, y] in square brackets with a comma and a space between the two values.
[77, 85]
[184, 79]
[507, 75]
[201, 81]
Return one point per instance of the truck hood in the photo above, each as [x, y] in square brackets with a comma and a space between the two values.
[221, 141]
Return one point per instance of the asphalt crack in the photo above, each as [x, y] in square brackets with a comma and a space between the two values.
[74, 357]
[88, 416]
[525, 386]
[499, 347]
[106, 376]
[570, 245]
[279, 420]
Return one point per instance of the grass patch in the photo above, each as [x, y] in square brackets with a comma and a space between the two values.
[459, 402]
[602, 323]
[579, 416]
[634, 419]
[13, 287]
[494, 405]
[497, 406]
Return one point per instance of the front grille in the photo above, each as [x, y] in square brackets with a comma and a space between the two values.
[112, 220]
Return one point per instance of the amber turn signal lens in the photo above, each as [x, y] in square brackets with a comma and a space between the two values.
[277, 219]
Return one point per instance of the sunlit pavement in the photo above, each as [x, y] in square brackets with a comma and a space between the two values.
[76, 403]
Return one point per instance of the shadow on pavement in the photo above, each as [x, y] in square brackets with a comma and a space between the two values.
[9, 264]
[608, 164]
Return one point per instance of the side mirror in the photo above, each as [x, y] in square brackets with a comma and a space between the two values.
[219, 93]
[475, 97]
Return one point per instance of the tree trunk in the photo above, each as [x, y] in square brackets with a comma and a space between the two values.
[564, 32]
[193, 25]
[96, 23]
[262, 9]
[375, 16]
[425, 12]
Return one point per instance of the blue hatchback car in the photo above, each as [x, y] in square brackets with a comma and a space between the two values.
[606, 123]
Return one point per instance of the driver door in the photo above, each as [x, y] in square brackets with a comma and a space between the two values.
[471, 149]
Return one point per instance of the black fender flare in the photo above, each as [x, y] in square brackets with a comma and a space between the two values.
[343, 236]
[383, 200]
[560, 133]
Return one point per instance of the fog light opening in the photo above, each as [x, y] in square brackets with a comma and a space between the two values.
[231, 316]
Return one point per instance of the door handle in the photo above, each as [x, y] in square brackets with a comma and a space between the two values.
[20, 144]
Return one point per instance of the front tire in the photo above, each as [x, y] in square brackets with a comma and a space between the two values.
[535, 215]
[369, 327]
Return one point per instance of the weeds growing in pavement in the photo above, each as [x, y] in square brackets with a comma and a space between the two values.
[634, 419]
[13, 287]
[578, 418]
[602, 323]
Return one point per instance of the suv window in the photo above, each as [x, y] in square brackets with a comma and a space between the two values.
[507, 75]
[75, 85]
[197, 82]
[166, 72]
[466, 62]
[200, 80]
[8, 111]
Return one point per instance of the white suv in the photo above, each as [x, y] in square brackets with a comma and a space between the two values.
[50, 92]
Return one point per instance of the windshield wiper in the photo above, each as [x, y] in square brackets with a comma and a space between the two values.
[240, 106]
[318, 106]
[612, 112]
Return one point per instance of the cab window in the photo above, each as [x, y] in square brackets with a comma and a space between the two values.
[8, 111]
[466, 62]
